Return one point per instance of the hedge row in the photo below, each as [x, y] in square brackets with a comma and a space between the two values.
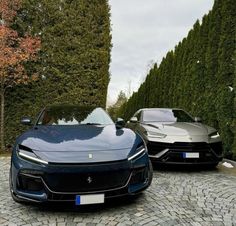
[199, 75]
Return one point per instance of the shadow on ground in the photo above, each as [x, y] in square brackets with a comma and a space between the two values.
[220, 168]
[184, 168]
[71, 207]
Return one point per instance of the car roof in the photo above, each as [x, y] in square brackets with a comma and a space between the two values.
[62, 106]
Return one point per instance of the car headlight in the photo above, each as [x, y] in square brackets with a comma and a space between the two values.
[155, 134]
[214, 135]
[28, 154]
[139, 151]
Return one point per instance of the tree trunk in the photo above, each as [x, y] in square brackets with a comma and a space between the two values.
[2, 122]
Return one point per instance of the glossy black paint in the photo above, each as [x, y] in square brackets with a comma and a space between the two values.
[68, 151]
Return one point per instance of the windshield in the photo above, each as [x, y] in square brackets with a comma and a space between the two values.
[74, 115]
[166, 115]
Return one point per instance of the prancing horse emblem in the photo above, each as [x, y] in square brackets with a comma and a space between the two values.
[89, 179]
[90, 156]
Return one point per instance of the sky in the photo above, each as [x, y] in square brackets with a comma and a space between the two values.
[142, 33]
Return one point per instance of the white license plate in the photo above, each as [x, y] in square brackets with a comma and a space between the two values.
[191, 155]
[89, 199]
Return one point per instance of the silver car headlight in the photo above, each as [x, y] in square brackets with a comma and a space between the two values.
[155, 134]
[214, 135]
[139, 151]
[27, 154]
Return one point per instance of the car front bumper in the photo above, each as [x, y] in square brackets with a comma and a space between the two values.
[175, 153]
[51, 183]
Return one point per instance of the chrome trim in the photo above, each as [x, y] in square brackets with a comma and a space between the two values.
[89, 192]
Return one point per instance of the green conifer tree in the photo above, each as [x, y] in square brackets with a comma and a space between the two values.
[74, 60]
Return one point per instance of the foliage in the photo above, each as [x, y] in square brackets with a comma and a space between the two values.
[15, 50]
[199, 75]
[74, 59]
[113, 110]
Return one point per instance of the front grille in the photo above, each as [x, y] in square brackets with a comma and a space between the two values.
[156, 147]
[177, 156]
[175, 151]
[89, 178]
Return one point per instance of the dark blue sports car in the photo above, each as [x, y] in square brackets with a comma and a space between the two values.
[78, 154]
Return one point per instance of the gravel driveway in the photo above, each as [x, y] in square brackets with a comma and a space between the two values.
[200, 197]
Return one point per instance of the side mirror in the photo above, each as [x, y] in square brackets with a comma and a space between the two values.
[197, 119]
[120, 123]
[26, 121]
[134, 120]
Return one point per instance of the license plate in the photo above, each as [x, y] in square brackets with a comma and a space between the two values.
[190, 155]
[89, 199]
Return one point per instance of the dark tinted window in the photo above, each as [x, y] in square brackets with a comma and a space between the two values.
[74, 115]
[166, 115]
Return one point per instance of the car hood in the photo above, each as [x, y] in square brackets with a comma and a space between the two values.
[80, 143]
[179, 128]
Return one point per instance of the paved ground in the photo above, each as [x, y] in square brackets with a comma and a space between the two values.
[175, 198]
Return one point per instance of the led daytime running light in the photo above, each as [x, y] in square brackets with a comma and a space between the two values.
[137, 154]
[32, 158]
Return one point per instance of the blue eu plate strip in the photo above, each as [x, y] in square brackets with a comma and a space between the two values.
[77, 200]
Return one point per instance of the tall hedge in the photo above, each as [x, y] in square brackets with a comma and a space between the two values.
[199, 75]
[73, 65]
